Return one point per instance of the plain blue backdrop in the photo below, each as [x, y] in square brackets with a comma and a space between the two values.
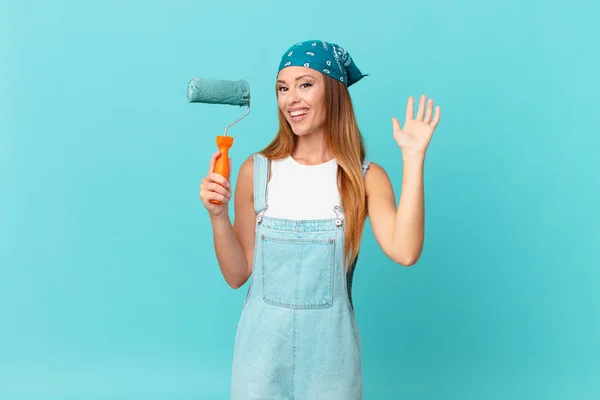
[109, 287]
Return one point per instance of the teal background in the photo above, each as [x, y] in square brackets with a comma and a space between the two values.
[109, 287]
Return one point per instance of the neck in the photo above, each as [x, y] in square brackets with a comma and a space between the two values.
[312, 149]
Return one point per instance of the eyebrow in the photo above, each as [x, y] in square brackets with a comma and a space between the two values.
[298, 78]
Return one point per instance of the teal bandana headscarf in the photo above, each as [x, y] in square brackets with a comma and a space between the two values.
[327, 58]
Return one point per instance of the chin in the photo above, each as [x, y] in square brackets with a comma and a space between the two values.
[298, 131]
[302, 132]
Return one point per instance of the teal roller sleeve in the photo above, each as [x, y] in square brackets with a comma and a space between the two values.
[214, 91]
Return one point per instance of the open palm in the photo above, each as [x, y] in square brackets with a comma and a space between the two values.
[414, 137]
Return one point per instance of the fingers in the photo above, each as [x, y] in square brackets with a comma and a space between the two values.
[410, 108]
[213, 161]
[215, 186]
[429, 111]
[218, 178]
[421, 110]
[436, 117]
[424, 114]
[210, 196]
[396, 125]
[216, 196]
[216, 183]
[211, 190]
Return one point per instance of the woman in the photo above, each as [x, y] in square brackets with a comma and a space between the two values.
[300, 208]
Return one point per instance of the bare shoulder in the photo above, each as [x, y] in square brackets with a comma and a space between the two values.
[376, 179]
[247, 169]
[244, 186]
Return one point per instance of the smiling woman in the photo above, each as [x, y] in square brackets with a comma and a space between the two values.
[306, 95]
[300, 209]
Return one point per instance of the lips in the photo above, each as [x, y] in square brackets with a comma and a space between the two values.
[298, 115]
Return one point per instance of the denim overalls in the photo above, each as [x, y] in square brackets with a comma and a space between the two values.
[297, 338]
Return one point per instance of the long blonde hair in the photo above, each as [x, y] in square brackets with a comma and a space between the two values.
[345, 142]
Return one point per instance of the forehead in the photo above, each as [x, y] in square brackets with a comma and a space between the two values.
[289, 74]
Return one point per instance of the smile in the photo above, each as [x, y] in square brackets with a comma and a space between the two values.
[298, 113]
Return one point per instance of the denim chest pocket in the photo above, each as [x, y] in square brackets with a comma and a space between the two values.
[298, 273]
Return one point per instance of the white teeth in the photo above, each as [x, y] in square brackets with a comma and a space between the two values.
[300, 112]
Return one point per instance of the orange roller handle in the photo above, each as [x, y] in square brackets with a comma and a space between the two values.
[224, 143]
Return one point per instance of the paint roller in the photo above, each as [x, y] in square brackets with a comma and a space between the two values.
[214, 91]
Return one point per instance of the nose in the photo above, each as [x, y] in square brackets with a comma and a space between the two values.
[292, 97]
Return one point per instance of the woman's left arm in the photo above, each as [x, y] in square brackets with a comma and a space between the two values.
[400, 231]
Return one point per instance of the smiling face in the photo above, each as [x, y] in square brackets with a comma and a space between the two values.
[300, 93]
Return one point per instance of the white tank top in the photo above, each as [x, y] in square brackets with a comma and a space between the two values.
[302, 192]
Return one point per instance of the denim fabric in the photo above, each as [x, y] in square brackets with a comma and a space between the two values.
[297, 336]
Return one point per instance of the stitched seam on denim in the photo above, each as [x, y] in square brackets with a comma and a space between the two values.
[296, 240]
[320, 306]
[332, 271]
[249, 293]
[328, 226]
[294, 316]
[300, 230]
[301, 221]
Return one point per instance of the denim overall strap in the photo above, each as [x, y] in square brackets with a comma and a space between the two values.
[365, 167]
[261, 178]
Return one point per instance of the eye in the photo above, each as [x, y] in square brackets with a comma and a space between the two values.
[279, 89]
[306, 84]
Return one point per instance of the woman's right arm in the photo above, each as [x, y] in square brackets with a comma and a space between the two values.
[234, 244]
